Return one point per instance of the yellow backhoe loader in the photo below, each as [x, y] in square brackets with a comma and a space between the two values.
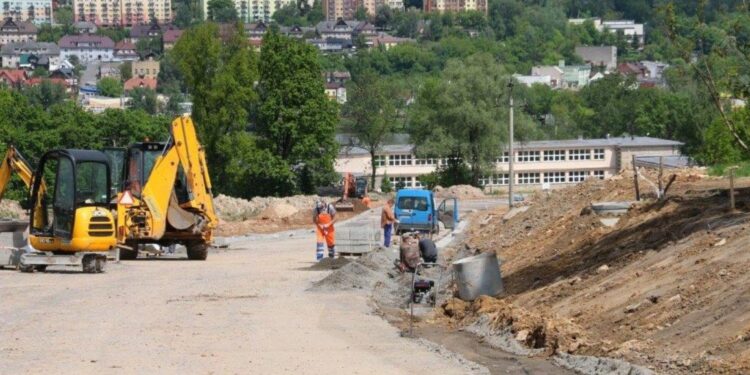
[166, 194]
[70, 219]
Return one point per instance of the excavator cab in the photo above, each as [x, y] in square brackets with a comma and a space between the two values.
[72, 212]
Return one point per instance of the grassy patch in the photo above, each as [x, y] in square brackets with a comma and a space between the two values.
[743, 169]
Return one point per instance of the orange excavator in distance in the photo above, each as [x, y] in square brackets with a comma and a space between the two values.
[353, 188]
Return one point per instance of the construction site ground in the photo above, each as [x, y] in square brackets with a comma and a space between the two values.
[666, 288]
[247, 309]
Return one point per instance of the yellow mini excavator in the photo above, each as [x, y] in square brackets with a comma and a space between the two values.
[70, 219]
[165, 196]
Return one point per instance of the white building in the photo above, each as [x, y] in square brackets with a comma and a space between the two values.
[537, 163]
[254, 10]
[26, 54]
[533, 80]
[87, 48]
[34, 11]
[629, 28]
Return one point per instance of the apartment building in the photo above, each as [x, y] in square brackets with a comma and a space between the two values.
[35, 11]
[537, 164]
[254, 10]
[146, 68]
[455, 5]
[122, 12]
[28, 55]
[347, 9]
[87, 48]
[17, 31]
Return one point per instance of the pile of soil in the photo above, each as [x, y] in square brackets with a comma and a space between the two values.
[459, 191]
[363, 273]
[10, 209]
[663, 288]
[327, 264]
[238, 209]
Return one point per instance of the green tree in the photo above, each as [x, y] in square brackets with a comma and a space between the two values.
[360, 14]
[144, 99]
[109, 86]
[222, 11]
[383, 16]
[221, 82]
[372, 112]
[316, 13]
[295, 119]
[126, 70]
[45, 94]
[385, 184]
[458, 116]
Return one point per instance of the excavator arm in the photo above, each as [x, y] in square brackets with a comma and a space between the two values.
[159, 205]
[14, 162]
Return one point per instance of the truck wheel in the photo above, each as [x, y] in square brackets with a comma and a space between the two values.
[127, 254]
[42, 268]
[197, 250]
[100, 264]
[89, 263]
[28, 268]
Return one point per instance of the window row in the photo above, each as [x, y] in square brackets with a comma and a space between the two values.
[554, 155]
[532, 178]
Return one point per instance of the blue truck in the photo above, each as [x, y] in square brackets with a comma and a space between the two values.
[416, 211]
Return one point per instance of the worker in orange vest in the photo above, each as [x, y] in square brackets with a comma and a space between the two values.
[324, 216]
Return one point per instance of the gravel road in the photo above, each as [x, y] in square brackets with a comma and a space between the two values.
[244, 310]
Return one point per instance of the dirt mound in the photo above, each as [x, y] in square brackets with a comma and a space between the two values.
[362, 273]
[659, 289]
[238, 209]
[278, 210]
[327, 264]
[10, 209]
[459, 191]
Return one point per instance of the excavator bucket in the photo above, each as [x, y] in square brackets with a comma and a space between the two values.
[344, 205]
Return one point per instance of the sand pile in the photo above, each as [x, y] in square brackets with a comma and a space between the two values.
[278, 210]
[459, 191]
[238, 209]
[363, 273]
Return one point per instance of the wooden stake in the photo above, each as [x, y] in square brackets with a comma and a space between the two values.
[731, 188]
[635, 178]
[661, 171]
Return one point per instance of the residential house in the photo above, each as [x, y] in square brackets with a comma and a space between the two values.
[17, 31]
[85, 27]
[34, 81]
[656, 71]
[343, 30]
[170, 38]
[149, 31]
[256, 30]
[337, 76]
[29, 55]
[537, 164]
[336, 91]
[603, 57]
[37, 12]
[87, 47]
[122, 12]
[13, 78]
[255, 44]
[110, 69]
[386, 41]
[533, 80]
[140, 82]
[125, 51]
[555, 74]
[633, 69]
[441, 6]
[297, 31]
[331, 45]
[148, 67]
[66, 74]
[575, 76]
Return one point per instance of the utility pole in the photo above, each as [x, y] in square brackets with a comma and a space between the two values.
[511, 154]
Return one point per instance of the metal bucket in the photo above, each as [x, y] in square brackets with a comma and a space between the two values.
[478, 276]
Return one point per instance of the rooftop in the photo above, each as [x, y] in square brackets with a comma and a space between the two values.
[88, 41]
[28, 46]
[347, 144]
[9, 26]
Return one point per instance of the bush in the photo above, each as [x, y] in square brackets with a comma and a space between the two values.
[385, 184]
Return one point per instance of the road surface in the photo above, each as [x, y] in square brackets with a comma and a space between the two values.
[244, 310]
